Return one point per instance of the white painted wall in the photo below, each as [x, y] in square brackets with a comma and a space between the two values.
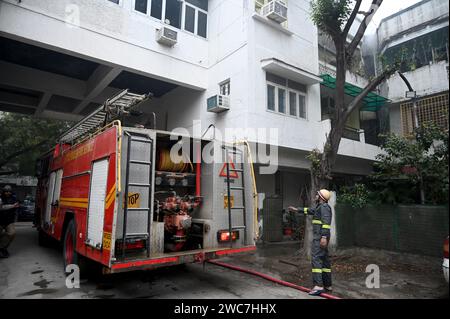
[426, 80]
[236, 44]
[109, 34]
[422, 13]
[395, 123]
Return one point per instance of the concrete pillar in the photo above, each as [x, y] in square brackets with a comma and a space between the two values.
[362, 136]
[333, 239]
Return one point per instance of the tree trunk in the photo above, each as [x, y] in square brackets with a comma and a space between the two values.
[322, 178]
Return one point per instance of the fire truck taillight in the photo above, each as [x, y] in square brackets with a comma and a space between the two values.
[224, 235]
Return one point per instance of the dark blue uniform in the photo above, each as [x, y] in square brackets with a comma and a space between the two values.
[8, 216]
[321, 266]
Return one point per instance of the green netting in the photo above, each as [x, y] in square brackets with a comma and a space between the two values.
[372, 102]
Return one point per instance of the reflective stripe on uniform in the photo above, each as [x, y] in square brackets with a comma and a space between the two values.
[326, 226]
[316, 221]
[305, 210]
[326, 270]
[317, 270]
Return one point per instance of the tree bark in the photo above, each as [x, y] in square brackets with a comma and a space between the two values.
[320, 178]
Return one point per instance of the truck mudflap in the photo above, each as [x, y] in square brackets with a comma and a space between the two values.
[185, 258]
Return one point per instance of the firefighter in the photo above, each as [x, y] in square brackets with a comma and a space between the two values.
[8, 207]
[321, 266]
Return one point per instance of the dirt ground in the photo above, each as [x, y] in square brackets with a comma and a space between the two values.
[402, 276]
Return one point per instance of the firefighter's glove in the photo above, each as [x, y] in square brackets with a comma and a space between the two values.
[293, 209]
[323, 242]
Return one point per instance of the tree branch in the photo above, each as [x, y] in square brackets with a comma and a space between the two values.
[6, 160]
[369, 88]
[351, 48]
[351, 19]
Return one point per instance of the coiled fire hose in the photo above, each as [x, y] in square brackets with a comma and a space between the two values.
[166, 164]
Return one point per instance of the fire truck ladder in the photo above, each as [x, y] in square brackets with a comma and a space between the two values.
[241, 188]
[112, 109]
[135, 138]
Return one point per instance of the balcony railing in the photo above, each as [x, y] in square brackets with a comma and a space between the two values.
[351, 134]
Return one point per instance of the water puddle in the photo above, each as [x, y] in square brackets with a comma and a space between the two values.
[37, 292]
[42, 283]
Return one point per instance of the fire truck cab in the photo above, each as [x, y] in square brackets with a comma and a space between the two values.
[115, 195]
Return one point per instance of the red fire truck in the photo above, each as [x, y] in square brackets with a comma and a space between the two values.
[112, 195]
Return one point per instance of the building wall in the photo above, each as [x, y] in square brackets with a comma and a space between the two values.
[414, 27]
[426, 80]
[395, 121]
[410, 18]
[290, 182]
[238, 40]
[108, 33]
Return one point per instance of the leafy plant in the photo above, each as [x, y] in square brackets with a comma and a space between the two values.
[24, 138]
[357, 196]
[410, 166]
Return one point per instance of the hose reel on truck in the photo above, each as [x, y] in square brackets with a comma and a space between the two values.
[154, 210]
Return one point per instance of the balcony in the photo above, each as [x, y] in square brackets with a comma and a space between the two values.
[353, 134]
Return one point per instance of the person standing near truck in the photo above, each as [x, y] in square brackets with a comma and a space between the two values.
[8, 208]
[321, 265]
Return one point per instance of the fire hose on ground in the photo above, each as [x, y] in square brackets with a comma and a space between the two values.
[264, 276]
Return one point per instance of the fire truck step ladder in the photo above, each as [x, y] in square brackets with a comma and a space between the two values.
[134, 138]
[112, 109]
[241, 188]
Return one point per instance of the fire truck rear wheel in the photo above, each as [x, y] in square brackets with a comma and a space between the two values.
[44, 240]
[70, 255]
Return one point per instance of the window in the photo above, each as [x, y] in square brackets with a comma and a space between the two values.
[141, 6]
[189, 20]
[270, 97]
[432, 109]
[202, 4]
[302, 106]
[173, 13]
[156, 9]
[202, 24]
[189, 15]
[281, 100]
[224, 88]
[196, 20]
[286, 96]
[292, 103]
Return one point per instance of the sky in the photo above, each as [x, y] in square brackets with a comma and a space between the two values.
[387, 8]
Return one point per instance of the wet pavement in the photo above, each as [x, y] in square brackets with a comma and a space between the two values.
[402, 276]
[36, 272]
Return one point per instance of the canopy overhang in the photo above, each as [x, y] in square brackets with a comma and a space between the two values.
[372, 102]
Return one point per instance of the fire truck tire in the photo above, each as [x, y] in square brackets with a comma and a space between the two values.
[70, 256]
[44, 240]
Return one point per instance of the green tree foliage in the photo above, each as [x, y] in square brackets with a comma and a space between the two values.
[330, 15]
[23, 139]
[404, 162]
[357, 196]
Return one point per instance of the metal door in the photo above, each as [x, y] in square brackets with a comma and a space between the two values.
[50, 190]
[96, 210]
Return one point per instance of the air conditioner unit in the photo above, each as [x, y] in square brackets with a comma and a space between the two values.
[166, 36]
[275, 10]
[218, 103]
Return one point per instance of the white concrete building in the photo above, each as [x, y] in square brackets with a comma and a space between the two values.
[62, 58]
[420, 33]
